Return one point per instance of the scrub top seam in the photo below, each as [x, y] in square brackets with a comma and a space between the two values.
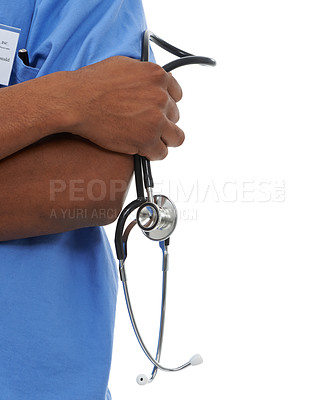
[31, 21]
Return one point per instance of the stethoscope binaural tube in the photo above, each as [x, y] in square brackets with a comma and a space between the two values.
[156, 217]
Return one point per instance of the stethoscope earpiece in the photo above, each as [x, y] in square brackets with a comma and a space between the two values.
[156, 217]
[142, 379]
[196, 360]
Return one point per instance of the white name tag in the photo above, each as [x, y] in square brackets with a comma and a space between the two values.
[9, 38]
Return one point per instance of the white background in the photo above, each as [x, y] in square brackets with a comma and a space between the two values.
[252, 282]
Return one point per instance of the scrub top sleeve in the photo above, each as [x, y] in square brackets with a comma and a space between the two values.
[80, 33]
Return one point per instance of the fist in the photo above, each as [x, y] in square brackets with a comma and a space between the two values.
[126, 106]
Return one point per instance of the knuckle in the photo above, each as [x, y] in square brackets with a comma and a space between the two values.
[137, 149]
[157, 73]
[177, 90]
[156, 117]
[151, 66]
[146, 149]
[162, 98]
[176, 114]
[156, 150]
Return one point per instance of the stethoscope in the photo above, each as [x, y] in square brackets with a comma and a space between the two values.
[156, 217]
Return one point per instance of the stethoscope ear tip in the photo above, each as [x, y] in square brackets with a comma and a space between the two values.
[196, 360]
[142, 379]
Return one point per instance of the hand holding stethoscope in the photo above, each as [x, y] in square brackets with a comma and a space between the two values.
[156, 216]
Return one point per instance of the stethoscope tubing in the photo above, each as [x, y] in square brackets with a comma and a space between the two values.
[143, 179]
[165, 268]
[137, 333]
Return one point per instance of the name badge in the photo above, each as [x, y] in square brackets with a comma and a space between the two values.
[9, 37]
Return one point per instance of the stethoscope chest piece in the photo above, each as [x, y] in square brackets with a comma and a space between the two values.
[157, 219]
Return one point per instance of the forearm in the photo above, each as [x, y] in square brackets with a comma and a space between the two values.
[120, 104]
[32, 110]
[61, 184]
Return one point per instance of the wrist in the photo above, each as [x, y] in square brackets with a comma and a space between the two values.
[35, 109]
[58, 103]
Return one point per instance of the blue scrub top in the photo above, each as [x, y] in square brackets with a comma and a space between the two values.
[58, 292]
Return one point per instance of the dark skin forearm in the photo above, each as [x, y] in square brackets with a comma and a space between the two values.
[120, 104]
[59, 184]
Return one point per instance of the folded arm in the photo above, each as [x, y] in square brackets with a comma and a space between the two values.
[112, 109]
[59, 184]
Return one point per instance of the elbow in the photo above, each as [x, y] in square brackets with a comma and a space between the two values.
[107, 187]
[100, 193]
[103, 216]
[97, 203]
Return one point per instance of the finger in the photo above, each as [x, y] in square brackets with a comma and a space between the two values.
[172, 135]
[157, 152]
[174, 88]
[172, 111]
